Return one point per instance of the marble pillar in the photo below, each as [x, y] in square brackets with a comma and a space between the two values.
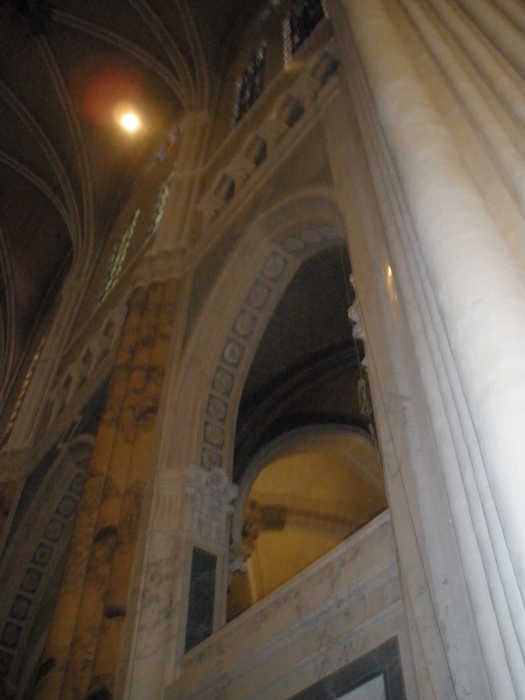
[82, 649]
[446, 118]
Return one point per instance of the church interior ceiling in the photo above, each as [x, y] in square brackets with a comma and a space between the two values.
[68, 72]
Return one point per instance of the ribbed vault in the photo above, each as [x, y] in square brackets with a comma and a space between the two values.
[65, 167]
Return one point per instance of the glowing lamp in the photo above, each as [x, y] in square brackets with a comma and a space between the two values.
[130, 122]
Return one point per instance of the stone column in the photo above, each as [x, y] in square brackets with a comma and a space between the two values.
[447, 152]
[191, 508]
[82, 650]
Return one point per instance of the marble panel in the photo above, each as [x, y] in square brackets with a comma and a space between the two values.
[334, 612]
[156, 601]
[370, 677]
[351, 564]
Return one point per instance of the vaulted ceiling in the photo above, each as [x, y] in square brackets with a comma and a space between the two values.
[65, 67]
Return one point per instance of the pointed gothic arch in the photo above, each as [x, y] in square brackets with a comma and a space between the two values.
[192, 489]
[233, 320]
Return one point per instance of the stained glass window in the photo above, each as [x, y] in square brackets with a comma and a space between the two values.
[167, 145]
[250, 85]
[23, 389]
[158, 210]
[304, 17]
[117, 258]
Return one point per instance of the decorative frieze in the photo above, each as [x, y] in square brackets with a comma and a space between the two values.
[247, 317]
[233, 351]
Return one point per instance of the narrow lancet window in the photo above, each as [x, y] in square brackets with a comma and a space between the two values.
[158, 210]
[23, 389]
[117, 258]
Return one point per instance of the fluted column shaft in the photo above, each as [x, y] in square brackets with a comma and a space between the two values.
[472, 265]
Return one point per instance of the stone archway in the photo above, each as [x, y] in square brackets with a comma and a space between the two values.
[196, 454]
[341, 439]
[222, 346]
[301, 496]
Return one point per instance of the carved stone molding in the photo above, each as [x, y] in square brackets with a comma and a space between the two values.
[250, 314]
[354, 317]
[209, 499]
[285, 111]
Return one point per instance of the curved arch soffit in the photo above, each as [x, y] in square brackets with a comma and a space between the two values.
[207, 391]
[341, 439]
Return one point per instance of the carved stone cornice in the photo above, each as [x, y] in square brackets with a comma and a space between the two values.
[276, 118]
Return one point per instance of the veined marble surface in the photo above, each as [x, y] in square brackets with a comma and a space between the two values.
[344, 605]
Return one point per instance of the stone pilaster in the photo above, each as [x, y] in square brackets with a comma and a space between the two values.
[83, 644]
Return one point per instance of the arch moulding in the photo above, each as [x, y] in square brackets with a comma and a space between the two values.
[192, 492]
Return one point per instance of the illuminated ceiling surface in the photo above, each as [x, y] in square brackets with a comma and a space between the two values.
[65, 162]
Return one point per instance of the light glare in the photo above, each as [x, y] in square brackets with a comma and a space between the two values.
[130, 122]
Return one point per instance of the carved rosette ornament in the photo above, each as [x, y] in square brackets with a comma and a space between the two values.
[209, 499]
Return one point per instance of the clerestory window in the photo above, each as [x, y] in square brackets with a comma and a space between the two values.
[117, 258]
